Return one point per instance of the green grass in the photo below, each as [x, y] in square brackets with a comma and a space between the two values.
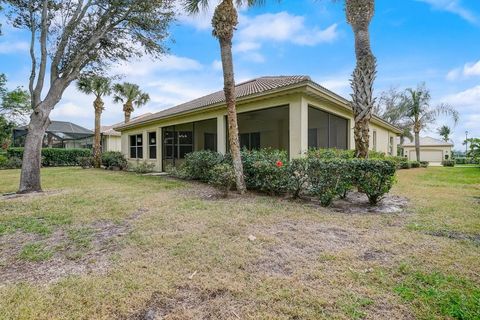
[436, 295]
[190, 256]
[35, 252]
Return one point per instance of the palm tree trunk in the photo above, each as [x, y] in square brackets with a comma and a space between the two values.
[128, 109]
[224, 22]
[97, 152]
[417, 144]
[359, 14]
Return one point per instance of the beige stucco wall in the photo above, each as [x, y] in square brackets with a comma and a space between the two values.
[411, 155]
[112, 143]
[297, 126]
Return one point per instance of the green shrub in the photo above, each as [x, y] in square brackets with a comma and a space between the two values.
[376, 155]
[373, 177]
[143, 167]
[448, 163]
[3, 161]
[297, 176]
[114, 159]
[462, 160]
[424, 164]
[325, 178]
[414, 164]
[331, 154]
[85, 162]
[198, 164]
[265, 170]
[55, 157]
[222, 176]
[405, 165]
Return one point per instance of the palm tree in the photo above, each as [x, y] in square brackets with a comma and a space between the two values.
[98, 86]
[417, 102]
[224, 21]
[445, 132]
[130, 95]
[359, 14]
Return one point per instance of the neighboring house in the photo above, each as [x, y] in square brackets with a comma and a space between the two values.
[292, 113]
[431, 150]
[59, 134]
[111, 139]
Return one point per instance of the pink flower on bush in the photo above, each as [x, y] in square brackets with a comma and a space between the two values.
[279, 164]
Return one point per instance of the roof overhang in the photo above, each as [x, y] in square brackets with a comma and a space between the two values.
[305, 87]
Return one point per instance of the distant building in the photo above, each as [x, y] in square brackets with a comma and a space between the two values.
[111, 139]
[431, 150]
[59, 134]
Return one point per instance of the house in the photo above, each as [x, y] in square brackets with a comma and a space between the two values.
[111, 140]
[284, 112]
[59, 134]
[431, 150]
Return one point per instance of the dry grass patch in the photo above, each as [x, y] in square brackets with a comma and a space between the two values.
[187, 257]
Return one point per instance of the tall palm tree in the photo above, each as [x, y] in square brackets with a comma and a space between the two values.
[359, 14]
[100, 87]
[130, 95]
[417, 101]
[445, 132]
[224, 21]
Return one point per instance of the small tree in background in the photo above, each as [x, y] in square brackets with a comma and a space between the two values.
[131, 96]
[445, 132]
[100, 87]
[417, 102]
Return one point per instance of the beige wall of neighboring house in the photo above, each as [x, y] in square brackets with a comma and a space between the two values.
[111, 143]
[282, 118]
[432, 150]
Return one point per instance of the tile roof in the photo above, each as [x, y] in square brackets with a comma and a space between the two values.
[258, 85]
[110, 131]
[63, 129]
[428, 141]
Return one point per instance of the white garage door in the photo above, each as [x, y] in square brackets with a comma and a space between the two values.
[428, 155]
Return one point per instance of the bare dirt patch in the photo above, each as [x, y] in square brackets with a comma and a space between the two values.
[475, 238]
[357, 202]
[70, 256]
[190, 302]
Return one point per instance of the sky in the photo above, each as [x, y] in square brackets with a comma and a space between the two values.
[415, 41]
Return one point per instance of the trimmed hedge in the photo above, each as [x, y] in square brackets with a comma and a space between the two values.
[448, 163]
[114, 160]
[323, 174]
[53, 157]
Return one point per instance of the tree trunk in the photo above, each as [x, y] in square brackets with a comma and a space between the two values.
[224, 22]
[31, 163]
[97, 151]
[417, 144]
[128, 109]
[359, 14]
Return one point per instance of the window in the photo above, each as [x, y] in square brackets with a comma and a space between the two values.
[326, 130]
[374, 140]
[390, 147]
[136, 146]
[210, 141]
[152, 145]
[250, 141]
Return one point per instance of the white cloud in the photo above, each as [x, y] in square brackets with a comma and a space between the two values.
[14, 47]
[281, 27]
[284, 27]
[453, 6]
[469, 70]
[465, 101]
[217, 65]
[147, 65]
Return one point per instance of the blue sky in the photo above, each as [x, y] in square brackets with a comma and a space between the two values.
[432, 41]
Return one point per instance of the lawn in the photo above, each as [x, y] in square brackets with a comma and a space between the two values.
[112, 245]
